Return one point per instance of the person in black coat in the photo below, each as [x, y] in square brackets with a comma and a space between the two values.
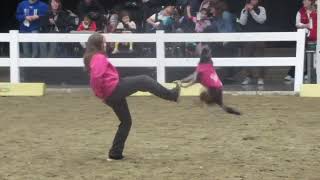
[55, 21]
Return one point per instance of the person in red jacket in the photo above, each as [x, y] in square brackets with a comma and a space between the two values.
[87, 25]
[113, 90]
[306, 19]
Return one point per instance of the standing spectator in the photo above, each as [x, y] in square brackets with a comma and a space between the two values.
[125, 26]
[222, 21]
[252, 19]
[28, 15]
[216, 11]
[228, 20]
[220, 13]
[162, 20]
[56, 21]
[94, 10]
[306, 19]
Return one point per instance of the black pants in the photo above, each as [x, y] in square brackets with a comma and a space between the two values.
[117, 101]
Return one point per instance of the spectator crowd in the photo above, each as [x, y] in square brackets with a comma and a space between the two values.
[189, 16]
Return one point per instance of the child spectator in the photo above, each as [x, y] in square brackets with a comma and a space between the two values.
[87, 25]
[162, 20]
[202, 21]
[125, 26]
[93, 9]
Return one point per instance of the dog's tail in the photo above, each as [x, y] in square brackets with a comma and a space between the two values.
[230, 110]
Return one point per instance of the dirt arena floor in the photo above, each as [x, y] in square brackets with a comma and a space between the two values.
[66, 136]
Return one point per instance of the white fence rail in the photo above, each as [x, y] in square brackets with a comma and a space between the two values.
[160, 62]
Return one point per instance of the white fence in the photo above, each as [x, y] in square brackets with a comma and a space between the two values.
[160, 62]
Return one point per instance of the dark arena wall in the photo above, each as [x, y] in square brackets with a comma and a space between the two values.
[282, 13]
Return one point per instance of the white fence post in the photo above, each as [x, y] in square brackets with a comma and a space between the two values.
[14, 57]
[300, 53]
[161, 74]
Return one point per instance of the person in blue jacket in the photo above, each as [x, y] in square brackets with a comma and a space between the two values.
[28, 14]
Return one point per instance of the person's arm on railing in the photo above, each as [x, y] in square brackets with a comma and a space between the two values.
[261, 17]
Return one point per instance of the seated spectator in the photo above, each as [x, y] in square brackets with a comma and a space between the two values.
[252, 19]
[125, 26]
[162, 20]
[112, 21]
[56, 21]
[87, 25]
[28, 14]
[94, 10]
[306, 19]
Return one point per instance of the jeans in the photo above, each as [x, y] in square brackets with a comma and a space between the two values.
[30, 49]
[48, 50]
[229, 22]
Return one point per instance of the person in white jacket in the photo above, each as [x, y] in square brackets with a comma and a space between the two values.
[252, 18]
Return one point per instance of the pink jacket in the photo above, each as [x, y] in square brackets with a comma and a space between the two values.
[104, 77]
[208, 76]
